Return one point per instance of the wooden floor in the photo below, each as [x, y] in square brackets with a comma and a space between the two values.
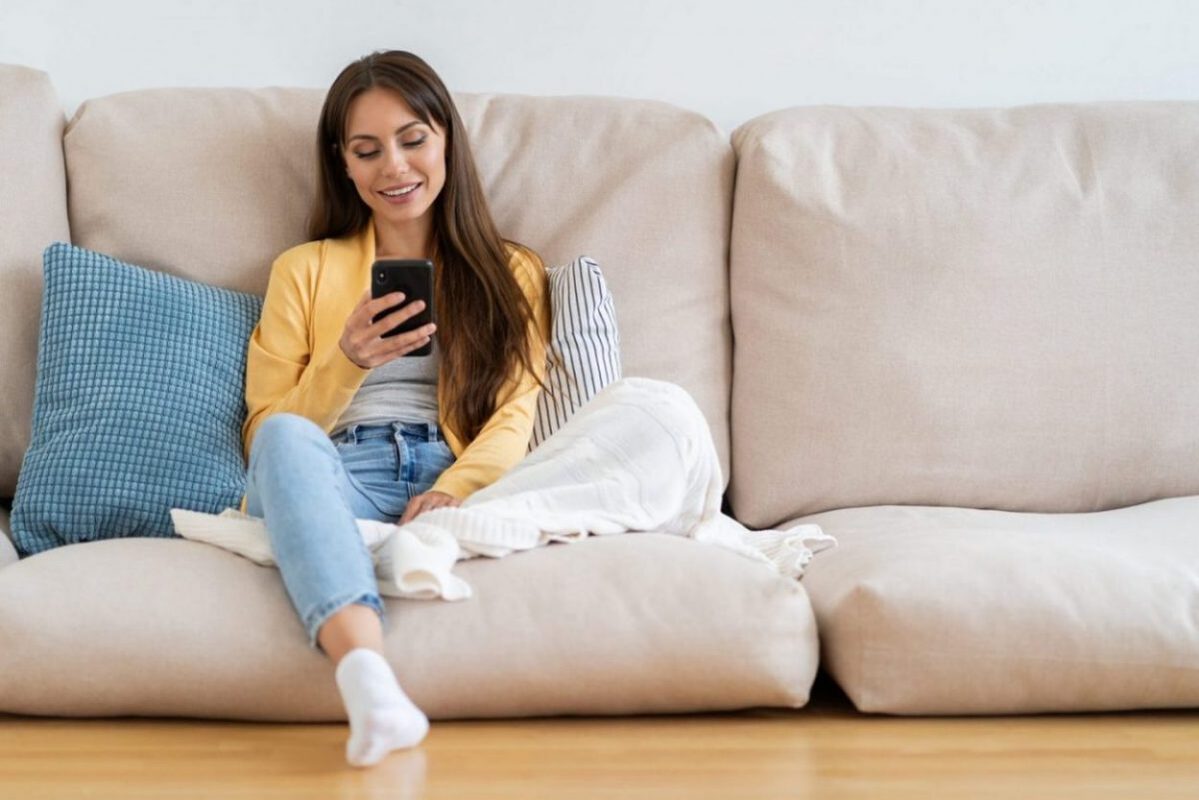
[824, 751]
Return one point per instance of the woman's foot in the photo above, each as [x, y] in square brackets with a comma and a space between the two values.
[382, 718]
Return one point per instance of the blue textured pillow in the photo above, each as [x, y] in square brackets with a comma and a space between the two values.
[138, 405]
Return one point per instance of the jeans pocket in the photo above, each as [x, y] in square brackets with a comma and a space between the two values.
[429, 460]
[373, 463]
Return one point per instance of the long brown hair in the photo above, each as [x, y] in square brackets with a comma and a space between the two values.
[484, 318]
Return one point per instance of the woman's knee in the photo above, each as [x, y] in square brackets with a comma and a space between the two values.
[280, 434]
[659, 391]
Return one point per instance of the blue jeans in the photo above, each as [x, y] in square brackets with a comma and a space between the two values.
[309, 489]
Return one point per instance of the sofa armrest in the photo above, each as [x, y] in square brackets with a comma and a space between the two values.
[8, 553]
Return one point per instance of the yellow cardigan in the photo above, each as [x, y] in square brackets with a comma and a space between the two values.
[295, 363]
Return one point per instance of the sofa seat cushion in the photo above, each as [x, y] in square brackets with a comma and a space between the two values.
[638, 623]
[950, 611]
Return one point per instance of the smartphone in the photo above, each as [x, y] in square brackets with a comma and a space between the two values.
[413, 277]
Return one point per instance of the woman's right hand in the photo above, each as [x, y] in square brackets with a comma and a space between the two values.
[362, 340]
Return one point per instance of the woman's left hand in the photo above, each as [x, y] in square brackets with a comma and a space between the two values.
[426, 502]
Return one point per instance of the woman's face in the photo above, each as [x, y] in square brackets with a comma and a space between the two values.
[396, 161]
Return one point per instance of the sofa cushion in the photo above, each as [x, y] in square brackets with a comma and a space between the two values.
[8, 553]
[976, 308]
[583, 354]
[139, 406]
[636, 623]
[33, 213]
[955, 611]
[159, 176]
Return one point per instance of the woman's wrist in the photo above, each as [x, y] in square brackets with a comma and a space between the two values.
[349, 357]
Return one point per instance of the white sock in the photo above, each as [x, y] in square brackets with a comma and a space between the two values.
[382, 718]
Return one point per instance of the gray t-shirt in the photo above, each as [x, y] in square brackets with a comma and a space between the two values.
[403, 389]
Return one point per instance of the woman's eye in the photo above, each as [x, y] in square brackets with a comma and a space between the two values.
[371, 154]
[416, 142]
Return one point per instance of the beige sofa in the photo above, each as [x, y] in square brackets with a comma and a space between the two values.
[961, 341]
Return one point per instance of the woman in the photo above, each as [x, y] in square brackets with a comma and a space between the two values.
[341, 424]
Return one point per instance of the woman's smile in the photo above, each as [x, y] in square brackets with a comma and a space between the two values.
[400, 194]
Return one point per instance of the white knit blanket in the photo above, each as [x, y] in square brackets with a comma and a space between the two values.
[638, 457]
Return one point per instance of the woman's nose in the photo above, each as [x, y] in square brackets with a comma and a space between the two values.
[396, 164]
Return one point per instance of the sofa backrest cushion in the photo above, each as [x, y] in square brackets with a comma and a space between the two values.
[33, 213]
[8, 552]
[212, 184]
[981, 308]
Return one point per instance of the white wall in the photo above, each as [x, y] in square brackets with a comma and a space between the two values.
[728, 59]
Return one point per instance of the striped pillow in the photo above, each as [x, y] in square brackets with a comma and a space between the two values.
[583, 355]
